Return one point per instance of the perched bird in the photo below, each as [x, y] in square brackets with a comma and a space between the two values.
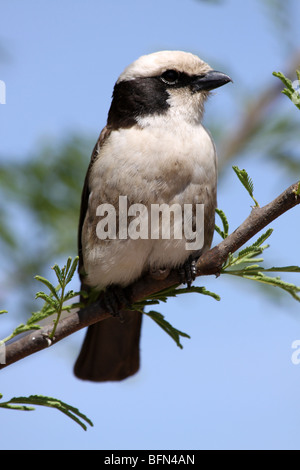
[153, 150]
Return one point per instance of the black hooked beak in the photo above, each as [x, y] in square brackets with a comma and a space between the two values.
[209, 81]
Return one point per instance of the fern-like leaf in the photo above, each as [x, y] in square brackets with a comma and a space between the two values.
[246, 182]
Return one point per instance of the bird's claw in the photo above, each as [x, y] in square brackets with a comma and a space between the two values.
[187, 272]
[115, 298]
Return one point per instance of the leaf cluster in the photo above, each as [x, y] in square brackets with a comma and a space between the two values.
[54, 301]
[163, 296]
[247, 263]
[290, 90]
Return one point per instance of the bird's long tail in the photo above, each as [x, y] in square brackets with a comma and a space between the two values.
[110, 351]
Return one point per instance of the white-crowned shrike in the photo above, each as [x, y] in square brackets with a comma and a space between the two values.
[152, 151]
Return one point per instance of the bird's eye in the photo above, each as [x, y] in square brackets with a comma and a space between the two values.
[170, 77]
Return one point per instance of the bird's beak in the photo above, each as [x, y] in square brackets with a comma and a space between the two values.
[210, 81]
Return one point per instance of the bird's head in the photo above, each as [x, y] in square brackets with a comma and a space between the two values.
[163, 84]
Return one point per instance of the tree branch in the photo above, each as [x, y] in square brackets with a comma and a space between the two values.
[209, 263]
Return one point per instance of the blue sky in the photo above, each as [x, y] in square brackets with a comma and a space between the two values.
[233, 385]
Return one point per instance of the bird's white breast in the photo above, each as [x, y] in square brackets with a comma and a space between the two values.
[148, 161]
[156, 164]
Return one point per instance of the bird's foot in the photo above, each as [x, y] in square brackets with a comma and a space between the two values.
[115, 299]
[187, 272]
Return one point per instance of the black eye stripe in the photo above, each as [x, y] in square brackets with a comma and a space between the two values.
[145, 96]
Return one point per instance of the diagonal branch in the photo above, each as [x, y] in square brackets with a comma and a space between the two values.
[210, 263]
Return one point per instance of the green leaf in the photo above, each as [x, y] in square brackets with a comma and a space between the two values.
[246, 182]
[70, 295]
[263, 238]
[174, 291]
[198, 290]
[286, 81]
[54, 303]
[24, 328]
[292, 289]
[19, 330]
[290, 91]
[162, 296]
[45, 312]
[297, 191]
[247, 254]
[47, 283]
[167, 327]
[282, 269]
[223, 233]
[21, 403]
[72, 269]
[10, 406]
[243, 266]
[59, 274]
[68, 264]
[255, 247]
[256, 273]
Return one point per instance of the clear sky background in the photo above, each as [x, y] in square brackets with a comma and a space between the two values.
[234, 384]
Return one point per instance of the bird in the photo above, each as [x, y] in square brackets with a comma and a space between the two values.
[153, 150]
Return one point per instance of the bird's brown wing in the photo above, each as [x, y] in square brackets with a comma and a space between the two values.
[85, 197]
[110, 351]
